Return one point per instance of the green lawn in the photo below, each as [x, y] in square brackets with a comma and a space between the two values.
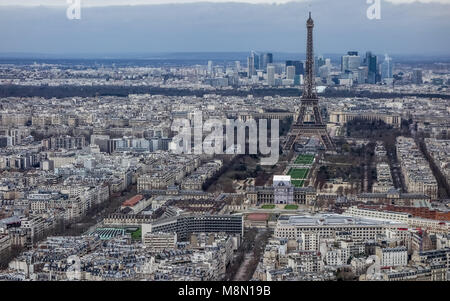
[297, 183]
[136, 235]
[268, 206]
[298, 173]
[291, 207]
[304, 159]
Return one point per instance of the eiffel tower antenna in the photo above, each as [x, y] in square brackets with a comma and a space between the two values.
[309, 99]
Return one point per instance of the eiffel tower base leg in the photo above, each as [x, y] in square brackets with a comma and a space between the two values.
[327, 142]
[322, 134]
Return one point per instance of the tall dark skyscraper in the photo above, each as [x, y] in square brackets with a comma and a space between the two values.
[298, 66]
[256, 60]
[264, 59]
[253, 63]
[309, 100]
[417, 76]
[250, 66]
[371, 62]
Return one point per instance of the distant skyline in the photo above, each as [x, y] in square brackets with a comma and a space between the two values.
[412, 28]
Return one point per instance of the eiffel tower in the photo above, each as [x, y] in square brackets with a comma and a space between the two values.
[309, 100]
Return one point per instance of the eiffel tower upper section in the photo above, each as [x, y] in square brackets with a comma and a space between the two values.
[309, 89]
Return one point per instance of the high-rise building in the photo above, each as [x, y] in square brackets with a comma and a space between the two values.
[371, 62]
[269, 58]
[253, 63]
[362, 74]
[324, 71]
[210, 67]
[237, 66]
[319, 61]
[256, 60]
[271, 75]
[386, 68]
[298, 66]
[250, 66]
[262, 65]
[350, 62]
[264, 60]
[417, 76]
[290, 72]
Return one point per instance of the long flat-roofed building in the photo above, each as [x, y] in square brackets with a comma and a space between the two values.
[327, 225]
[395, 197]
[341, 117]
[436, 226]
[184, 225]
[378, 214]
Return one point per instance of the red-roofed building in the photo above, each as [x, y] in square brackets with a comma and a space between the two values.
[133, 201]
[259, 220]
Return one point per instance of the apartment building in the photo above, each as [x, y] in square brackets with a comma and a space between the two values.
[159, 241]
[415, 169]
[392, 257]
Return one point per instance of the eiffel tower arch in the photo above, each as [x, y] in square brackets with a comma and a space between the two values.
[303, 127]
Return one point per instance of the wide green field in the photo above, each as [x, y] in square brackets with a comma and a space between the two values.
[268, 206]
[298, 173]
[291, 207]
[304, 159]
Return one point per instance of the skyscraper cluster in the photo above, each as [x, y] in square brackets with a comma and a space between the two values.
[368, 70]
[258, 61]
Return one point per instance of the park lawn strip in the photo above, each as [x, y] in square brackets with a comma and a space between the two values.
[304, 159]
[291, 207]
[298, 173]
[268, 206]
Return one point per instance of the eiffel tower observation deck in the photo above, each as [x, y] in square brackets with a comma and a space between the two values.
[309, 100]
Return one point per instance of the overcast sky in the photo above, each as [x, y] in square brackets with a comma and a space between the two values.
[341, 25]
[87, 3]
